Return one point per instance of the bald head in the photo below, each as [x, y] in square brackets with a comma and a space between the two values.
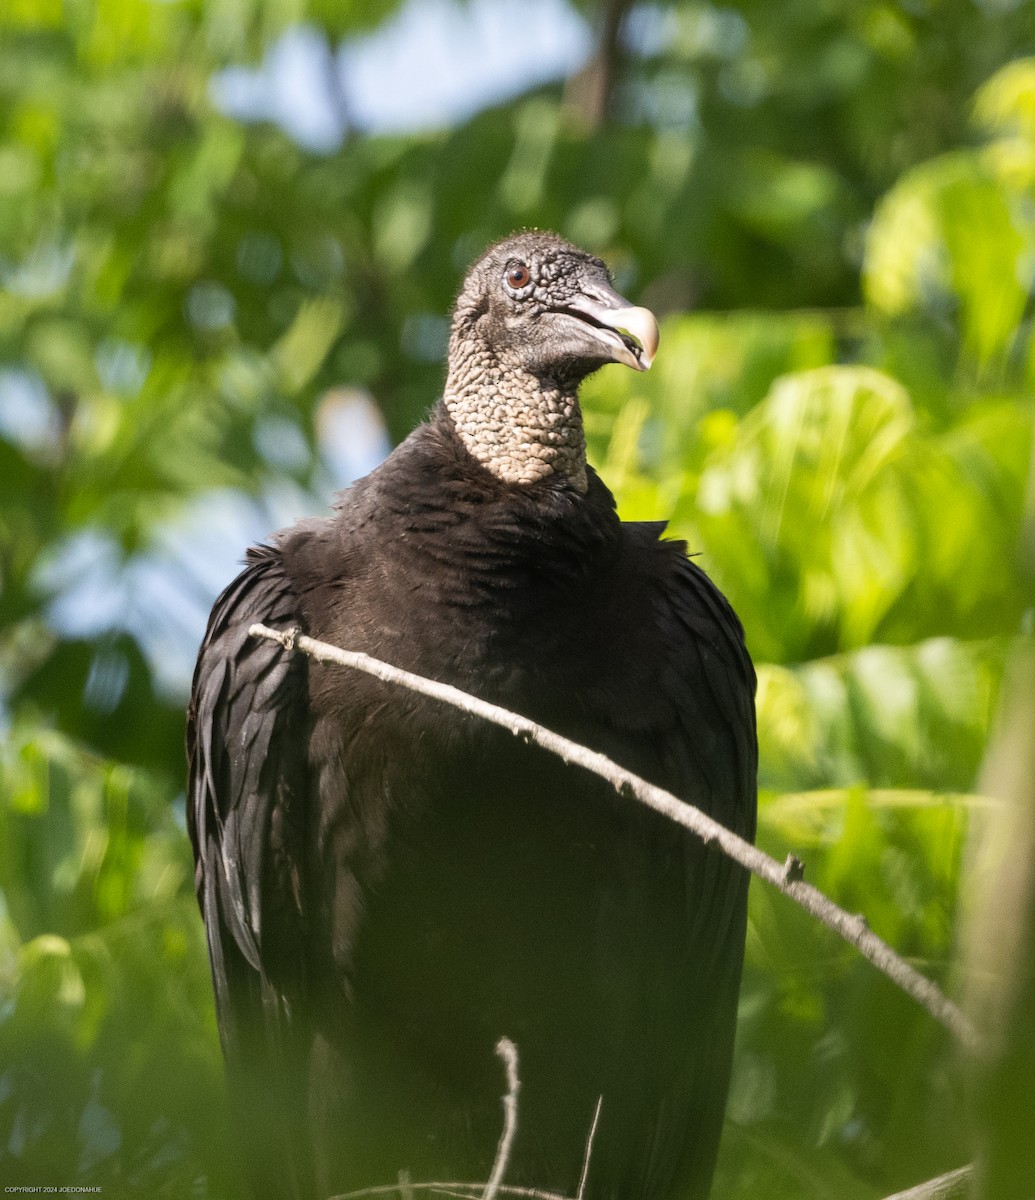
[534, 317]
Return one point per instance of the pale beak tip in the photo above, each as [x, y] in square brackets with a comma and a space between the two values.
[645, 329]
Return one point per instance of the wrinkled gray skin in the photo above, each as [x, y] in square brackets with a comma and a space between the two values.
[517, 354]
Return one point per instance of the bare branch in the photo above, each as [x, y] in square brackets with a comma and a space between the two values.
[785, 876]
[589, 1150]
[506, 1049]
[953, 1186]
[467, 1191]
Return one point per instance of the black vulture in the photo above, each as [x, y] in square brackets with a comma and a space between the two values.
[390, 886]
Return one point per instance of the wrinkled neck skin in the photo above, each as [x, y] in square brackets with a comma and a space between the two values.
[521, 427]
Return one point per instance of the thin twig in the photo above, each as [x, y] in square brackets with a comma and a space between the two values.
[785, 877]
[506, 1049]
[953, 1186]
[476, 1191]
[589, 1150]
[471, 1191]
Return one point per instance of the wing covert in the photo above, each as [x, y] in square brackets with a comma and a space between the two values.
[710, 680]
[247, 789]
[723, 665]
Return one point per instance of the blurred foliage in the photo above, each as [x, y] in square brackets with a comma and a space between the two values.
[829, 1049]
[110, 1072]
[831, 205]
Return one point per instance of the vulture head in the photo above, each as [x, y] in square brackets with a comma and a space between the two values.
[534, 317]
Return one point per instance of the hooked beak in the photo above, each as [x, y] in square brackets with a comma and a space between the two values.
[630, 334]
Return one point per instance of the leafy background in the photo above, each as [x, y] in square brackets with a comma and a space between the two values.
[203, 324]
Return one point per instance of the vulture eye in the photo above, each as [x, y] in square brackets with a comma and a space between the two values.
[518, 276]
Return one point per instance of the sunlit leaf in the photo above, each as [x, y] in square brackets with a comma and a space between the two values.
[945, 238]
[1005, 107]
[887, 716]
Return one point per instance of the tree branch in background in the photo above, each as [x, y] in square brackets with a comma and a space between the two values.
[787, 877]
[999, 935]
[998, 941]
[953, 1186]
[589, 93]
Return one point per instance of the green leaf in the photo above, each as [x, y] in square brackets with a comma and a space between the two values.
[946, 237]
[831, 1057]
[887, 716]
